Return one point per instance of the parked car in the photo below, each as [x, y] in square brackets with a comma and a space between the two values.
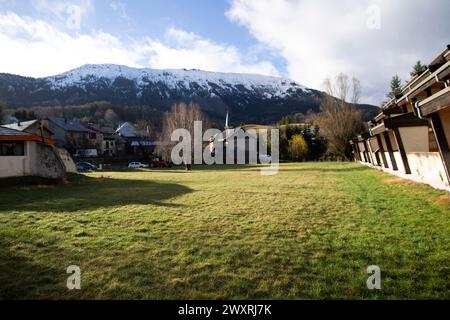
[137, 165]
[86, 166]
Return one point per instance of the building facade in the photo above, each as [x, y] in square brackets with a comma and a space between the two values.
[26, 154]
[410, 137]
[74, 136]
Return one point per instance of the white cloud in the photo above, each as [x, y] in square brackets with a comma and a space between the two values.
[319, 38]
[181, 49]
[36, 48]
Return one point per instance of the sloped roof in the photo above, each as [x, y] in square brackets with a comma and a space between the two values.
[69, 125]
[20, 126]
[127, 130]
[7, 134]
[4, 131]
[98, 128]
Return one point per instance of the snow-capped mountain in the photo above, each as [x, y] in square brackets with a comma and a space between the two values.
[195, 80]
[249, 97]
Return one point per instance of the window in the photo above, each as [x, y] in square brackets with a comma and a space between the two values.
[12, 148]
[92, 136]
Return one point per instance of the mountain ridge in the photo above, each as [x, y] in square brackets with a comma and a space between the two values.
[250, 97]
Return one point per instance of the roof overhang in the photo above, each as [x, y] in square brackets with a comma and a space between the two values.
[442, 72]
[378, 129]
[27, 138]
[436, 102]
[405, 120]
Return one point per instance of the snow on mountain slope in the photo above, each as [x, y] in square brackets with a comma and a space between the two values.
[176, 79]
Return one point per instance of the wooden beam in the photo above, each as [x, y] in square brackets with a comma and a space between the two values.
[442, 142]
[436, 102]
[390, 150]
[353, 152]
[358, 151]
[383, 156]
[401, 149]
[369, 152]
[27, 138]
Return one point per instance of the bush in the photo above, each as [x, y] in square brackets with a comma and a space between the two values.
[298, 148]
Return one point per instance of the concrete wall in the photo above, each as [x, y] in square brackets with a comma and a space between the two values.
[427, 167]
[40, 160]
[45, 162]
[14, 166]
[67, 160]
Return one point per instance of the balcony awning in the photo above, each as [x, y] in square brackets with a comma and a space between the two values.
[442, 72]
[405, 120]
[436, 102]
[378, 129]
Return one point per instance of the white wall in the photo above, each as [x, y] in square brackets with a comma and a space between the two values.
[11, 166]
[428, 168]
[39, 160]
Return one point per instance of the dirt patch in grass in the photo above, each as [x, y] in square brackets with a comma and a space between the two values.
[396, 181]
[444, 199]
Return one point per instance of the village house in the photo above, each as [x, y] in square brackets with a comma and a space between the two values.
[410, 137]
[240, 144]
[34, 127]
[74, 136]
[132, 142]
[106, 140]
[28, 154]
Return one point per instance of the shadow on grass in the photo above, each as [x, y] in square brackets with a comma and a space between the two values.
[87, 193]
[20, 278]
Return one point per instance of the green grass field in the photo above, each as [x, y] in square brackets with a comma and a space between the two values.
[309, 232]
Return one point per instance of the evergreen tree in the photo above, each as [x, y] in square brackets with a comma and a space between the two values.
[418, 69]
[396, 87]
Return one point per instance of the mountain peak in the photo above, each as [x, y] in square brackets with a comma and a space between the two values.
[173, 78]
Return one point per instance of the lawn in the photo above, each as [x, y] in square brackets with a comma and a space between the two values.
[309, 232]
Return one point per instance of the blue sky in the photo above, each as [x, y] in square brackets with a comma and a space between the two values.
[306, 40]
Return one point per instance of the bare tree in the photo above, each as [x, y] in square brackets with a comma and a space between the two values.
[339, 119]
[181, 116]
